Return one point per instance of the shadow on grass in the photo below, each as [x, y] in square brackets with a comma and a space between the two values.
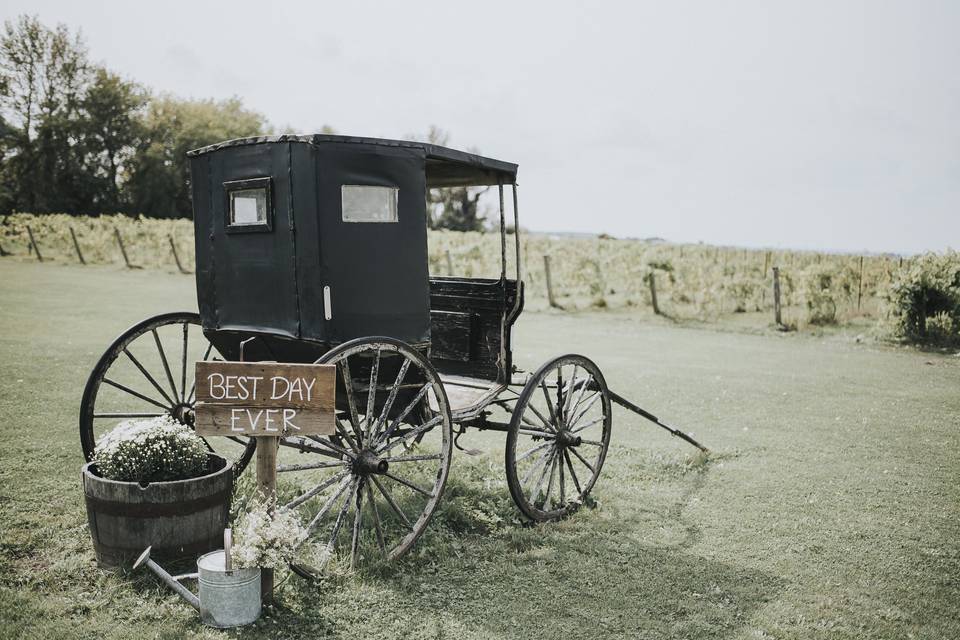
[478, 572]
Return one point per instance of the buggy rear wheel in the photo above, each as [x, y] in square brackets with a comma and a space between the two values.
[149, 372]
[558, 438]
[367, 492]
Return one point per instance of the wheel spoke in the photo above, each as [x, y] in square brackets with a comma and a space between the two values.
[529, 453]
[346, 436]
[128, 415]
[390, 400]
[546, 396]
[568, 395]
[546, 496]
[372, 394]
[376, 519]
[592, 401]
[351, 400]
[432, 422]
[543, 474]
[183, 371]
[357, 517]
[539, 415]
[193, 387]
[326, 443]
[390, 501]
[146, 374]
[338, 524]
[136, 394]
[583, 460]
[563, 494]
[589, 424]
[418, 458]
[410, 407]
[316, 490]
[281, 468]
[591, 442]
[536, 466]
[407, 483]
[573, 474]
[583, 389]
[328, 504]
[166, 365]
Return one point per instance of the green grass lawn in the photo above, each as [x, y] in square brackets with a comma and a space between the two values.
[830, 507]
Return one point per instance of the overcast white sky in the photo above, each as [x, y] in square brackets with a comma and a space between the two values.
[831, 125]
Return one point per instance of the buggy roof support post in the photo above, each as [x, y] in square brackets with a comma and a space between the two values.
[516, 238]
[504, 374]
[503, 234]
[626, 404]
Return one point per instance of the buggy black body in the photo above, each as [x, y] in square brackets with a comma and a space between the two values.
[314, 249]
[307, 242]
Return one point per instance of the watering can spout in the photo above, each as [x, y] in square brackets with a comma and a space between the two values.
[172, 582]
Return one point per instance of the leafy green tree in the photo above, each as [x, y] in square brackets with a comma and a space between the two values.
[111, 129]
[43, 75]
[159, 172]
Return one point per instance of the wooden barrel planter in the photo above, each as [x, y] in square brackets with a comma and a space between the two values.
[180, 518]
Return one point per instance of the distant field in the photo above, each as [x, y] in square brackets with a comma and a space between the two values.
[698, 282]
[829, 509]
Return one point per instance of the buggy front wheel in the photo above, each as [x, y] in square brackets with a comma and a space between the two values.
[558, 438]
[368, 491]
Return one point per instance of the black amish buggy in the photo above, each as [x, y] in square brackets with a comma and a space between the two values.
[314, 249]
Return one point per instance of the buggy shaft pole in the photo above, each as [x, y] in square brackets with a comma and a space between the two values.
[626, 404]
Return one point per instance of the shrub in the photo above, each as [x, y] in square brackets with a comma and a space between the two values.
[154, 450]
[925, 298]
[821, 288]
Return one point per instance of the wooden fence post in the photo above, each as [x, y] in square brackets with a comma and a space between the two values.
[176, 258]
[33, 243]
[546, 270]
[653, 292]
[123, 250]
[776, 297]
[76, 245]
[860, 284]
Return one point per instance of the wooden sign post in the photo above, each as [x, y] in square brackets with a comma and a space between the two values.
[267, 401]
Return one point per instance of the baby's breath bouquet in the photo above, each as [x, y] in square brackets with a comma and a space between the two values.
[266, 539]
[151, 450]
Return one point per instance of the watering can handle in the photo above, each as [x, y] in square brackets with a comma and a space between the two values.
[227, 545]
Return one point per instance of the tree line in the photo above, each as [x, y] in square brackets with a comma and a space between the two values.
[77, 138]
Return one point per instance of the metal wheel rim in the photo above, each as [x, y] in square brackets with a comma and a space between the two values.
[562, 460]
[343, 486]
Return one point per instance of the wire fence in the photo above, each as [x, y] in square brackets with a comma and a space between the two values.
[573, 273]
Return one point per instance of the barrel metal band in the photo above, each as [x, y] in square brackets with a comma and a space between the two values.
[157, 509]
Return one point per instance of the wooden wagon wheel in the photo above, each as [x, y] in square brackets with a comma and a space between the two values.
[558, 438]
[373, 486]
[147, 372]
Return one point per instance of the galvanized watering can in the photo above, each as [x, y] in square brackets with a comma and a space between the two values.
[228, 597]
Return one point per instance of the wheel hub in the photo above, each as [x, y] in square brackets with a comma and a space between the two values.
[567, 438]
[368, 462]
[183, 413]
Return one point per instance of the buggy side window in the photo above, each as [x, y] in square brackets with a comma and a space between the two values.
[249, 206]
[366, 203]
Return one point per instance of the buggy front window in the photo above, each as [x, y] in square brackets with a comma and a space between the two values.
[249, 206]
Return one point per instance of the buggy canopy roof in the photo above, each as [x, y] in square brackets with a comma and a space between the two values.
[444, 167]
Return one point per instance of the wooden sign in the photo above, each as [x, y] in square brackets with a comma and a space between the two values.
[263, 399]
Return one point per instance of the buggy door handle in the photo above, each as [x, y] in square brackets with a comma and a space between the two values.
[327, 305]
